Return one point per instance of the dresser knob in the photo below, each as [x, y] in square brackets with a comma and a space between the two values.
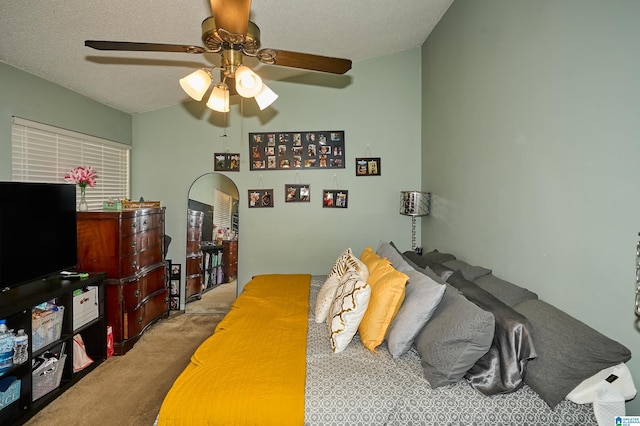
[140, 320]
[134, 264]
[134, 243]
[137, 293]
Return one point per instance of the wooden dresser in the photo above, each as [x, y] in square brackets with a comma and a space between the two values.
[193, 268]
[129, 247]
[230, 260]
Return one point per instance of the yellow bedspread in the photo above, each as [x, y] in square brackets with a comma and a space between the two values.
[252, 369]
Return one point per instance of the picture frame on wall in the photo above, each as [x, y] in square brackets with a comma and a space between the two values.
[226, 162]
[175, 271]
[296, 150]
[174, 286]
[259, 198]
[368, 166]
[335, 198]
[297, 193]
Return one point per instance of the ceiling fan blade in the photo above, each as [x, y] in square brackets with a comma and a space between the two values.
[231, 15]
[304, 60]
[142, 47]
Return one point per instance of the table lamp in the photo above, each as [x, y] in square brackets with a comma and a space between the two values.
[414, 203]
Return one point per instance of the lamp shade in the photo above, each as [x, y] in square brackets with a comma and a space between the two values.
[219, 99]
[196, 84]
[415, 203]
[248, 83]
[266, 97]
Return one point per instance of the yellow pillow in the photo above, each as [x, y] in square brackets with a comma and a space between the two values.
[371, 259]
[387, 294]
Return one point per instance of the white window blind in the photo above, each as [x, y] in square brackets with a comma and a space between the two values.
[222, 205]
[43, 153]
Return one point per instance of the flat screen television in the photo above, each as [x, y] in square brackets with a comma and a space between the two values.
[38, 236]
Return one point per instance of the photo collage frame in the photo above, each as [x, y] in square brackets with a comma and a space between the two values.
[296, 150]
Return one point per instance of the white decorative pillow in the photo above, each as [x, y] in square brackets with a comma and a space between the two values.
[344, 263]
[348, 308]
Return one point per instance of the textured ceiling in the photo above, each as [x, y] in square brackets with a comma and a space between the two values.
[46, 38]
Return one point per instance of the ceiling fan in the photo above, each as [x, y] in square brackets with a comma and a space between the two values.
[230, 33]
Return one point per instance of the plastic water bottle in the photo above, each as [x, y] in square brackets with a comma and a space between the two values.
[20, 347]
[6, 347]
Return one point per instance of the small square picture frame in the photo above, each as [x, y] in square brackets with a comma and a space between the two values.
[368, 166]
[335, 198]
[297, 193]
[175, 271]
[226, 162]
[260, 198]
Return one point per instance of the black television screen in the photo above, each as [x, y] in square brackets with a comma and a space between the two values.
[38, 235]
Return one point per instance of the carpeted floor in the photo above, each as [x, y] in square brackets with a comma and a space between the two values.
[216, 300]
[129, 389]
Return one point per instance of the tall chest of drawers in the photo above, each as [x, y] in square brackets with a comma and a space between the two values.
[193, 267]
[129, 247]
[230, 259]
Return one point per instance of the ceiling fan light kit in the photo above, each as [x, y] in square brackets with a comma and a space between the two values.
[266, 97]
[248, 83]
[219, 99]
[232, 35]
[196, 84]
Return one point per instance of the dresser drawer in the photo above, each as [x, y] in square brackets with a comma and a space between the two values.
[134, 243]
[135, 292]
[149, 238]
[193, 247]
[194, 234]
[194, 264]
[129, 226]
[194, 219]
[193, 285]
[150, 221]
[150, 256]
[137, 320]
[130, 265]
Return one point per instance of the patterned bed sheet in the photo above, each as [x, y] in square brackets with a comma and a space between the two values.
[358, 387]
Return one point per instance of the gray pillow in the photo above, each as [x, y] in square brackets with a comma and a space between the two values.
[392, 254]
[569, 351]
[428, 258]
[457, 335]
[441, 270]
[422, 296]
[507, 292]
[470, 272]
[502, 368]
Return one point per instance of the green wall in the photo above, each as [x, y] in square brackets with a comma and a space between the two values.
[377, 104]
[530, 139]
[26, 96]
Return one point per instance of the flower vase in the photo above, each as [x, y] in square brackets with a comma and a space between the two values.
[82, 205]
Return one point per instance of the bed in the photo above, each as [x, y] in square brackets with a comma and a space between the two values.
[274, 361]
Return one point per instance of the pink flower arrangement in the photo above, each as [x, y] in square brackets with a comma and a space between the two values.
[82, 176]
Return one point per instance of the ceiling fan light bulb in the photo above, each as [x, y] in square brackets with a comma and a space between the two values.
[219, 99]
[196, 84]
[266, 97]
[248, 83]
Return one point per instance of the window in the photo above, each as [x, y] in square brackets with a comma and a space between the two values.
[222, 205]
[43, 153]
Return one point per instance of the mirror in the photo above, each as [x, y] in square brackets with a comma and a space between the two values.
[212, 242]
